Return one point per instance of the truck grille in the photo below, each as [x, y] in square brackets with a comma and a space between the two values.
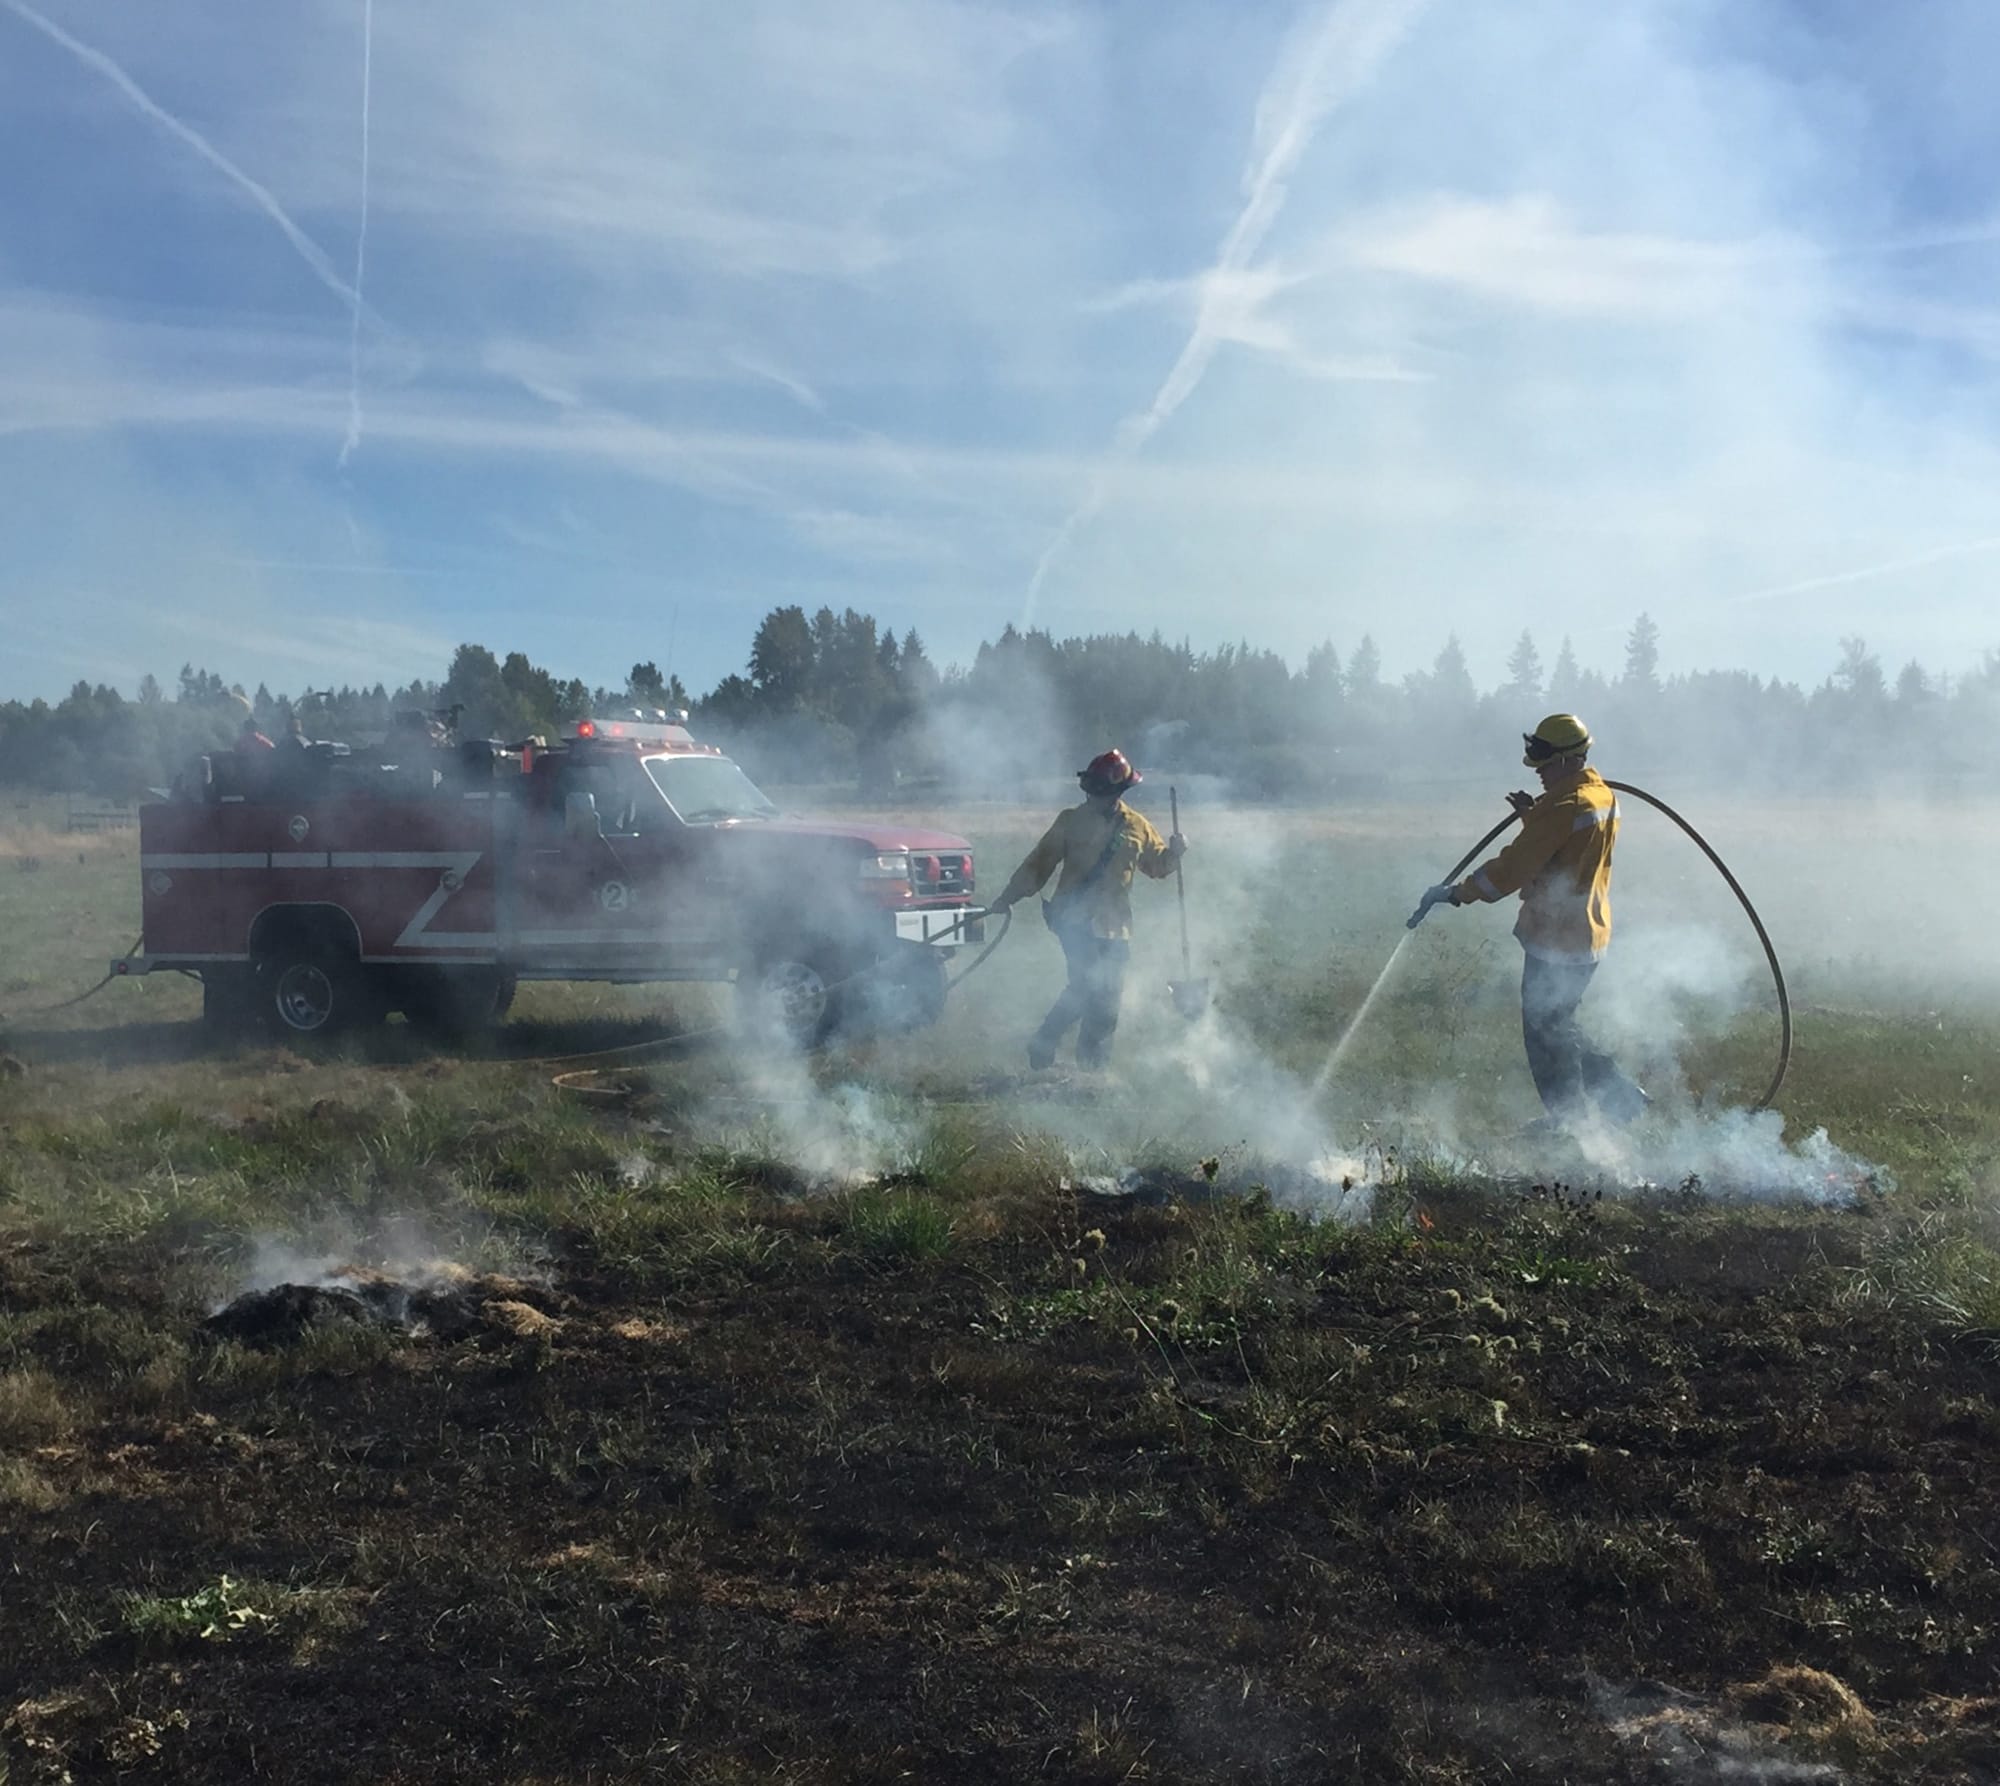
[935, 876]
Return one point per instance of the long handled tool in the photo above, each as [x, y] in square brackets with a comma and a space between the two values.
[1190, 995]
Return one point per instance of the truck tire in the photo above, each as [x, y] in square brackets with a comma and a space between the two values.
[906, 993]
[458, 1004]
[792, 998]
[308, 992]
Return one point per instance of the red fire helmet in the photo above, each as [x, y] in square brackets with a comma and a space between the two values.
[1110, 773]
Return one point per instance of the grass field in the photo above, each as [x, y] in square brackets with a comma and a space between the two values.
[853, 1421]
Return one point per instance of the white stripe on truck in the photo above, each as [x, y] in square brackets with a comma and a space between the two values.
[462, 861]
[260, 859]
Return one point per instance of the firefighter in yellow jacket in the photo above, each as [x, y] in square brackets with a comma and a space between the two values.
[1560, 865]
[1099, 846]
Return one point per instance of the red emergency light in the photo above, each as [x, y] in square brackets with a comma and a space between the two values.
[630, 731]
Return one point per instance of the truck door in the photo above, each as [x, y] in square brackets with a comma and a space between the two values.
[611, 882]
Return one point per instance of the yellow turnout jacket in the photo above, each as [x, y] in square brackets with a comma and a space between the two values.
[1076, 841]
[1560, 865]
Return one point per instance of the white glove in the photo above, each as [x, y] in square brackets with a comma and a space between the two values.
[1444, 893]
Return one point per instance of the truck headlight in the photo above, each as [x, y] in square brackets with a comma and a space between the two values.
[893, 865]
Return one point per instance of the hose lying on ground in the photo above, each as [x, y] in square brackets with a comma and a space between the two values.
[567, 1081]
[87, 992]
[1722, 868]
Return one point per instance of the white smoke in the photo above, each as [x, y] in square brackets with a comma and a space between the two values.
[412, 1250]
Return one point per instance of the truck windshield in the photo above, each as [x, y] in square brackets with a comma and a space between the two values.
[704, 790]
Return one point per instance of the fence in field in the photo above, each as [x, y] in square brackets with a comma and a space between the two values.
[88, 820]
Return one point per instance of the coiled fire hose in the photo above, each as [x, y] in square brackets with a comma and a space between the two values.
[1735, 886]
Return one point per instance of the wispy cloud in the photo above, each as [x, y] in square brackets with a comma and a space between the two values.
[1863, 573]
[353, 439]
[1240, 309]
[1322, 66]
[259, 195]
[1528, 251]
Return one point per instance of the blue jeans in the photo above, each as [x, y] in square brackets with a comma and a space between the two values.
[1568, 1072]
[1091, 999]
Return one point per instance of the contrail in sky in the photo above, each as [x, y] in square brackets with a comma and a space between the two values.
[308, 250]
[1337, 59]
[353, 439]
[1861, 573]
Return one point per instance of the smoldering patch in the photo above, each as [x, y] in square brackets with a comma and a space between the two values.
[1332, 1188]
[447, 1304]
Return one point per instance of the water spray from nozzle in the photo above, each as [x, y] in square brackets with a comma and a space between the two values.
[1354, 1023]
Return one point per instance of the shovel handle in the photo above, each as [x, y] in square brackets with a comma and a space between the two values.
[1180, 883]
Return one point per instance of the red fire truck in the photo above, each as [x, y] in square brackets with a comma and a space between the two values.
[313, 889]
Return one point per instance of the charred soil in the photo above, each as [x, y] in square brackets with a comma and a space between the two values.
[1091, 1490]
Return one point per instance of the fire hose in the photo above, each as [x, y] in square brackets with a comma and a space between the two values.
[566, 1081]
[1735, 886]
[87, 992]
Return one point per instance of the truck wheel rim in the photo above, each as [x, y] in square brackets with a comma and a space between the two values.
[795, 995]
[304, 996]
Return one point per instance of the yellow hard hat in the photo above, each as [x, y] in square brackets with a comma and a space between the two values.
[1560, 735]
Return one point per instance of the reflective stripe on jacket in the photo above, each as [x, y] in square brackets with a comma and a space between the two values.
[1077, 840]
[1560, 865]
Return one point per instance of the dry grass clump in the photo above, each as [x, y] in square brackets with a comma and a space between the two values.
[521, 1319]
[1806, 1703]
[25, 1489]
[33, 1409]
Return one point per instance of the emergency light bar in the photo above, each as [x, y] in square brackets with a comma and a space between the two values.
[631, 731]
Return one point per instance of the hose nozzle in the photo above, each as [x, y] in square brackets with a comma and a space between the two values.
[1444, 893]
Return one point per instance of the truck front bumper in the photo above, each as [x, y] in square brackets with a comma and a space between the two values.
[948, 927]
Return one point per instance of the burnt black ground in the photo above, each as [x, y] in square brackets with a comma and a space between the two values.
[1059, 1505]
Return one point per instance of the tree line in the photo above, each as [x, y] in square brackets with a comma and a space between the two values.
[839, 699]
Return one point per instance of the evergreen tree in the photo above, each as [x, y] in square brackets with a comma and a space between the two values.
[1449, 689]
[782, 658]
[1364, 668]
[1322, 674]
[1565, 680]
[918, 675]
[1524, 670]
[1859, 673]
[1642, 657]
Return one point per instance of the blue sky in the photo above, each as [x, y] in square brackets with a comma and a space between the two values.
[1232, 319]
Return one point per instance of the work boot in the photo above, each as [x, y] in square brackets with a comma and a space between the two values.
[1623, 1102]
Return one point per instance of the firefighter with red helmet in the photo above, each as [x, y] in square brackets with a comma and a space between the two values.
[1099, 846]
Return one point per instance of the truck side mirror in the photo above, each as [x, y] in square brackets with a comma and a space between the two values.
[580, 816]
